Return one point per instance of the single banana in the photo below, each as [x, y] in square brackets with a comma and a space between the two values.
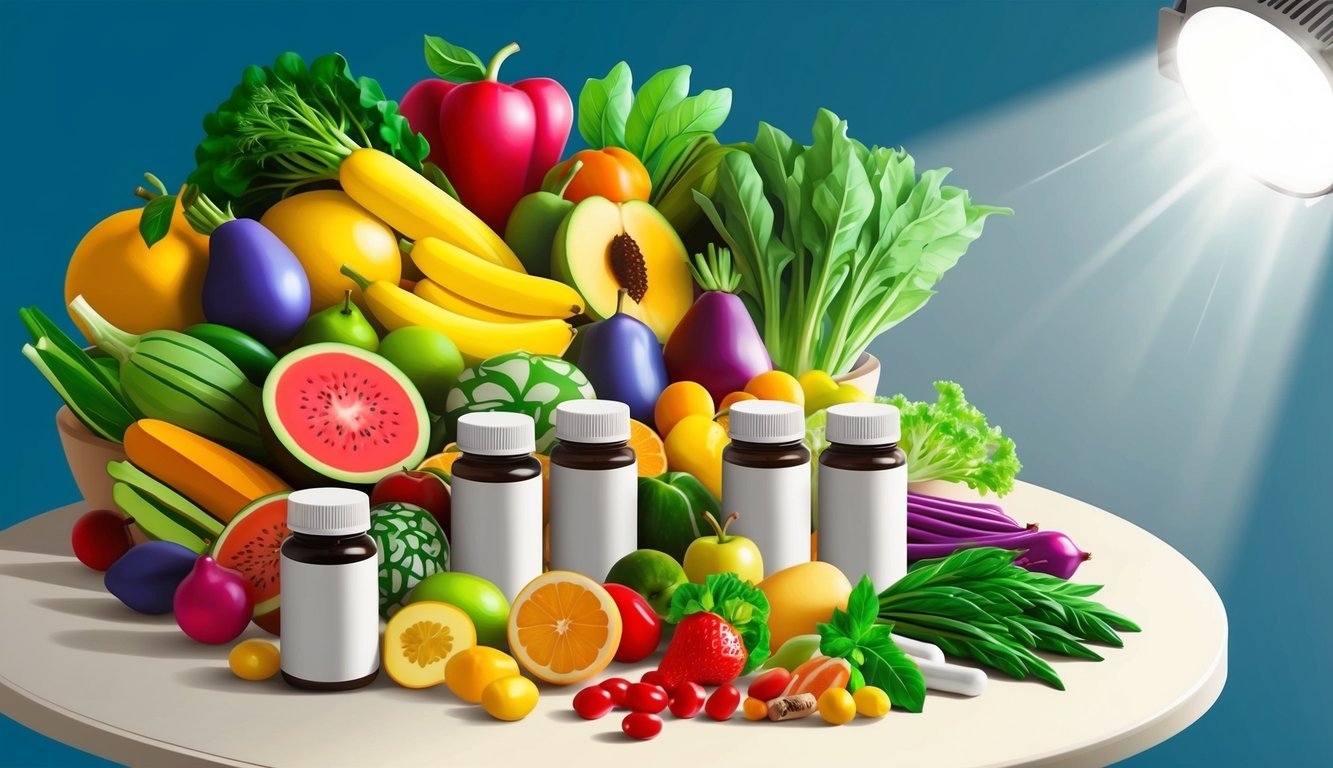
[443, 297]
[411, 204]
[476, 339]
[496, 287]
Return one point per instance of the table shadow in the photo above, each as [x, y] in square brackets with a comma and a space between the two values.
[105, 608]
[59, 573]
[46, 534]
[145, 643]
[473, 714]
[220, 679]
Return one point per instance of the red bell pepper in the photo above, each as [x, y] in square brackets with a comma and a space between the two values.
[494, 141]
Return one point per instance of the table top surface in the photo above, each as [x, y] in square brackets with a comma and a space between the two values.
[78, 666]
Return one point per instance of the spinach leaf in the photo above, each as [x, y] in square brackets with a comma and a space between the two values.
[663, 91]
[604, 106]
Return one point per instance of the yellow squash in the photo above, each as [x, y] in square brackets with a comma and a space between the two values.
[137, 288]
[411, 204]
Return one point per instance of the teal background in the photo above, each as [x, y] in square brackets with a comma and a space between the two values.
[98, 93]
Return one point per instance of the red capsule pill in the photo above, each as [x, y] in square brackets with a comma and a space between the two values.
[687, 700]
[723, 703]
[641, 725]
[593, 702]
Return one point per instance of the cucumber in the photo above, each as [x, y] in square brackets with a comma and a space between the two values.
[181, 380]
[253, 358]
[182, 512]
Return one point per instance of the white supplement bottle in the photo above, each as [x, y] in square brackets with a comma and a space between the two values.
[766, 480]
[594, 488]
[863, 494]
[330, 591]
[497, 501]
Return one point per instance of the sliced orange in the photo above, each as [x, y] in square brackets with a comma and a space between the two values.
[442, 461]
[649, 449]
[564, 627]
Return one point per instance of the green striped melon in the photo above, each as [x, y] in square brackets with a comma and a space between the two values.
[411, 547]
[519, 382]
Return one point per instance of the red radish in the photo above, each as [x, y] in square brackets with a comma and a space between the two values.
[687, 700]
[617, 687]
[769, 685]
[411, 486]
[641, 725]
[646, 697]
[100, 537]
[593, 702]
[723, 703]
[716, 343]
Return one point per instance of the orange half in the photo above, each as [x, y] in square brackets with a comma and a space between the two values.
[648, 448]
[564, 627]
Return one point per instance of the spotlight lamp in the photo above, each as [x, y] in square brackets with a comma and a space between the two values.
[1260, 75]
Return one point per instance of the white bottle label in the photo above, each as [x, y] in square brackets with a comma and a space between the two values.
[330, 620]
[497, 532]
[594, 518]
[863, 523]
[774, 507]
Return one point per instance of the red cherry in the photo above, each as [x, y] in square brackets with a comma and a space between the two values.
[593, 702]
[646, 697]
[722, 704]
[641, 725]
[420, 487]
[617, 687]
[687, 700]
[100, 537]
[769, 685]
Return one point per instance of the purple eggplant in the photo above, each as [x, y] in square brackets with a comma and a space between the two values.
[623, 361]
[716, 343]
[946, 528]
[1049, 552]
[255, 283]
[970, 508]
[974, 525]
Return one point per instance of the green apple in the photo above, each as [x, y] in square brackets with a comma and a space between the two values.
[429, 358]
[651, 573]
[481, 600]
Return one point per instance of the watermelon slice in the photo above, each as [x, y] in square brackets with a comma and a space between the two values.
[345, 414]
[251, 543]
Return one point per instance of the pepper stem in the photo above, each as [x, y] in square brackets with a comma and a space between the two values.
[722, 537]
[567, 179]
[493, 69]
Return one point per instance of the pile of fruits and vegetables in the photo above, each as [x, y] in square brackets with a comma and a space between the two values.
[343, 276]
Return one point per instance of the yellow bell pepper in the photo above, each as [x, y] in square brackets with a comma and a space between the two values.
[695, 445]
[821, 391]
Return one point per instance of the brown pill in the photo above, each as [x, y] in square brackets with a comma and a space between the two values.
[792, 707]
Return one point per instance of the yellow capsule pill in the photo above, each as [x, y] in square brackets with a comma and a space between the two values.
[837, 706]
[871, 702]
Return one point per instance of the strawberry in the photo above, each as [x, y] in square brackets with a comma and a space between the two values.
[706, 649]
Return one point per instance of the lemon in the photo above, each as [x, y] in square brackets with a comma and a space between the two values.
[836, 706]
[469, 672]
[871, 702]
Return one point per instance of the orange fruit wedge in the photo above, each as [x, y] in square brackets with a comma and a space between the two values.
[564, 627]
[649, 449]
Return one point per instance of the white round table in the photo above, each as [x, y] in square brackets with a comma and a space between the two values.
[79, 667]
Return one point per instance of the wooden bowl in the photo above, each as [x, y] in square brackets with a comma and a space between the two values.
[864, 375]
[88, 455]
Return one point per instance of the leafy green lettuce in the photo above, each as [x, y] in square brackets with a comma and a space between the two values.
[947, 440]
[836, 242]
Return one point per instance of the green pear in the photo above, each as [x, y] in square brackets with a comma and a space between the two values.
[342, 324]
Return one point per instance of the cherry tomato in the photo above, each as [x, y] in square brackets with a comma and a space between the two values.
[641, 725]
[646, 697]
[687, 700]
[642, 627]
[769, 685]
[617, 687]
[723, 703]
[100, 537]
[653, 677]
[593, 702]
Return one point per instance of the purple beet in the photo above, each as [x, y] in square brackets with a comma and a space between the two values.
[255, 283]
[1048, 552]
[716, 343]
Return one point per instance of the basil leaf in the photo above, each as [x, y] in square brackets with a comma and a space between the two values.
[885, 666]
[663, 91]
[604, 107]
[155, 221]
[452, 62]
[862, 607]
